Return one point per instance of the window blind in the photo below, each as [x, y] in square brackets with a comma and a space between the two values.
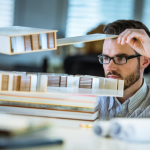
[6, 12]
[146, 13]
[85, 15]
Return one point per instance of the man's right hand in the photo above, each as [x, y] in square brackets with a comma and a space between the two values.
[137, 39]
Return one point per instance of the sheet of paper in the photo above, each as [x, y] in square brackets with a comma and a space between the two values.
[85, 38]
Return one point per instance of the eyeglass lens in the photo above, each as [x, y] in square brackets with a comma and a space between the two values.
[106, 60]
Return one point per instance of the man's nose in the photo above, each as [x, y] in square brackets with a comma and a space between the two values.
[111, 66]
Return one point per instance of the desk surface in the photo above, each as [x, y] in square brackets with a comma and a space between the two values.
[76, 138]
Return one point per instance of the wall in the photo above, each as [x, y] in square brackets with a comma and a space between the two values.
[48, 14]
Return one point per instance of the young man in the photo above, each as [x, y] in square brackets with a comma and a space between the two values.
[126, 58]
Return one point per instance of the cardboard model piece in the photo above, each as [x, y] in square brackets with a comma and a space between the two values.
[18, 40]
[17, 82]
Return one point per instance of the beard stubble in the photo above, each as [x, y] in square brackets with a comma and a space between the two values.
[130, 79]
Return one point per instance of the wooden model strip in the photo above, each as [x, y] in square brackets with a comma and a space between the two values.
[27, 43]
[57, 81]
[55, 41]
[50, 40]
[85, 38]
[53, 81]
[85, 82]
[16, 83]
[5, 82]
[63, 81]
[25, 83]
[35, 42]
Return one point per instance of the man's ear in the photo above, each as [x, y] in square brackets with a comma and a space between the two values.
[145, 62]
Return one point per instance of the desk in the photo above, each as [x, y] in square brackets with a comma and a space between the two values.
[76, 138]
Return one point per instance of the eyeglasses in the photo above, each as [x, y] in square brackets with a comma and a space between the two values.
[119, 60]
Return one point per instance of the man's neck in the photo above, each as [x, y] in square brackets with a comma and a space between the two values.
[131, 91]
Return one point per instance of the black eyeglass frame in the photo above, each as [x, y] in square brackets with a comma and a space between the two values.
[112, 58]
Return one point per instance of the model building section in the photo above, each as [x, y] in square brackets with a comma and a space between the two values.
[83, 85]
[72, 84]
[25, 39]
[55, 95]
[24, 83]
[26, 43]
[19, 40]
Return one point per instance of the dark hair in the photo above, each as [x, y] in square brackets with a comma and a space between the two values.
[119, 26]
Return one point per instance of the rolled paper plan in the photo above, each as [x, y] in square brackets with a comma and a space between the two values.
[102, 128]
[117, 127]
[133, 130]
[138, 130]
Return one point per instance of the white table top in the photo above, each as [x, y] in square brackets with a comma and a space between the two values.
[76, 138]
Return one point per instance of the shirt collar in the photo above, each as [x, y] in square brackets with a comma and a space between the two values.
[135, 99]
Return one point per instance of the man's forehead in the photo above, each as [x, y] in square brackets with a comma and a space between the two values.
[111, 47]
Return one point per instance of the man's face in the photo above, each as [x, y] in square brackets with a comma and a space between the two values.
[129, 72]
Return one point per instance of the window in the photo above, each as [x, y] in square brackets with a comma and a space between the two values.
[85, 15]
[6, 12]
[146, 13]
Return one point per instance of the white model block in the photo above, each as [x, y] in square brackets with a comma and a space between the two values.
[10, 84]
[120, 85]
[110, 84]
[33, 83]
[69, 81]
[43, 39]
[43, 83]
[38, 82]
[19, 44]
[5, 46]
[101, 83]
[75, 82]
[13, 45]
[95, 84]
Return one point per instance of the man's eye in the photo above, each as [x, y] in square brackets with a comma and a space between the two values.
[106, 58]
[121, 58]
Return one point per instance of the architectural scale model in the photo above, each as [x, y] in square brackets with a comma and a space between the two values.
[54, 83]
[45, 94]
[55, 95]
[18, 39]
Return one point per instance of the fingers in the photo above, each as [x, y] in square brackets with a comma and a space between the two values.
[128, 35]
[119, 39]
[123, 36]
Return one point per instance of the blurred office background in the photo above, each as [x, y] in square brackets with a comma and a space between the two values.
[70, 18]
